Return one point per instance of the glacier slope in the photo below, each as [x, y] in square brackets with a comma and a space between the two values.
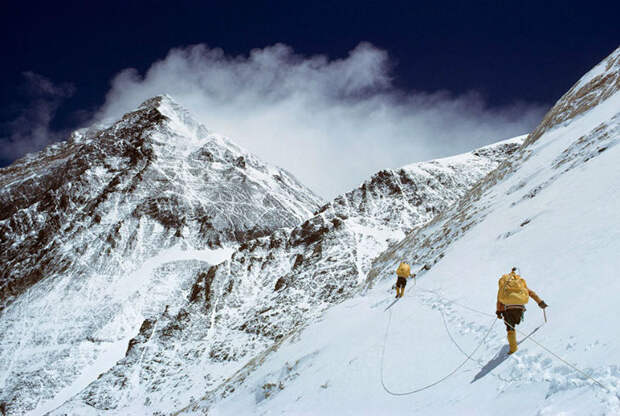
[273, 286]
[553, 210]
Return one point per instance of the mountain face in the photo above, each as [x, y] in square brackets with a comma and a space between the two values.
[155, 266]
[239, 311]
[108, 229]
[155, 164]
[595, 95]
[551, 209]
[592, 89]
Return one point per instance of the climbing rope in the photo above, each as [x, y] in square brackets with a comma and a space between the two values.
[450, 374]
[445, 325]
[528, 336]
[469, 356]
[564, 361]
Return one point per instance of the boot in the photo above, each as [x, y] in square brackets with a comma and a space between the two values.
[402, 292]
[397, 292]
[512, 341]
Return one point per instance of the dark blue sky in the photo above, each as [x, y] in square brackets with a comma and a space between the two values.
[525, 51]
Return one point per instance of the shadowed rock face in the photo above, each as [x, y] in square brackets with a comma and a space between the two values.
[273, 285]
[66, 192]
[40, 195]
[80, 220]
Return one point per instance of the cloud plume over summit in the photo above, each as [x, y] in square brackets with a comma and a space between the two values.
[331, 122]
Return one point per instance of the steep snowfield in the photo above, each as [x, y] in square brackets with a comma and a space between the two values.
[274, 285]
[116, 298]
[108, 229]
[553, 210]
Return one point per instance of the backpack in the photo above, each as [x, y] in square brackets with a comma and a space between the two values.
[403, 270]
[513, 290]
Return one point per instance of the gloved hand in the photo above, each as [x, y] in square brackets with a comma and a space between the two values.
[542, 304]
[499, 314]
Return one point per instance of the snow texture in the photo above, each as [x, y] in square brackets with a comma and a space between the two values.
[293, 320]
[552, 210]
[273, 286]
[108, 229]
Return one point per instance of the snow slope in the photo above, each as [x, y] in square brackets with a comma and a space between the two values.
[553, 210]
[274, 285]
[103, 231]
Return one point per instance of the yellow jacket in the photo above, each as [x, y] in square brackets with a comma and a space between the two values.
[503, 301]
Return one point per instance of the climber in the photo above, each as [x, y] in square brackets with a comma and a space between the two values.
[403, 272]
[512, 296]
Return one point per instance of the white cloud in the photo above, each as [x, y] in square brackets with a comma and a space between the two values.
[332, 123]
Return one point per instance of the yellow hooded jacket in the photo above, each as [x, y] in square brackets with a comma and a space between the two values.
[510, 298]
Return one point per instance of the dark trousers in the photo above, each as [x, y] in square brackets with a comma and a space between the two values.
[512, 317]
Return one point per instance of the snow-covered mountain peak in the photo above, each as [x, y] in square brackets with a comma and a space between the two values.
[551, 207]
[177, 132]
[116, 220]
[175, 117]
[496, 152]
[418, 191]
[274, 285]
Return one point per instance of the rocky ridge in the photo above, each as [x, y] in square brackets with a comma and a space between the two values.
[273, 286]
[550, 208]
[430, 242]
[102, 231]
